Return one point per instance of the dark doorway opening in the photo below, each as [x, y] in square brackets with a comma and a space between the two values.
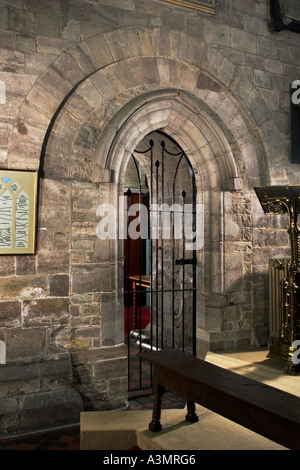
[160, 254]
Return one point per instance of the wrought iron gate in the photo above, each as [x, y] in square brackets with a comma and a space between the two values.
[160, 290]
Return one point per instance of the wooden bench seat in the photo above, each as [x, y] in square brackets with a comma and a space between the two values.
[265, 410]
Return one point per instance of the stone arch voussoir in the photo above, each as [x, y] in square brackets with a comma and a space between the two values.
[197, 69]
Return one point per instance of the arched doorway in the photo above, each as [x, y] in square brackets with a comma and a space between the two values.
[159, 252]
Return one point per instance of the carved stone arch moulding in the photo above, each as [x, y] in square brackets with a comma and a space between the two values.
[236, 109]
[179, 117]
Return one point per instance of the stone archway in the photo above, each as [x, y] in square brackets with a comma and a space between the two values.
[217, 170]
[102, 69]
[87, 113]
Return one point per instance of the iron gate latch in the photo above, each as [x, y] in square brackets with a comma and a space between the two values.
[183, 261]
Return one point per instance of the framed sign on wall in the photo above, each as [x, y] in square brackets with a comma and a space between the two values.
[285, 14]
[18, 203]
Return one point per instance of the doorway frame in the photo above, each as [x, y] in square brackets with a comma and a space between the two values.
[152, 160]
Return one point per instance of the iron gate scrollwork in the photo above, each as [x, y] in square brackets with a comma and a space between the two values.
[160, 256]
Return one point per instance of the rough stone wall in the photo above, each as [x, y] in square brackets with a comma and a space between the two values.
[74, 70]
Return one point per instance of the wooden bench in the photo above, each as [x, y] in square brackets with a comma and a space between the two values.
[268, 411]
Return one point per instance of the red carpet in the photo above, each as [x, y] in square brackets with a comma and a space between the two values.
[143, 318]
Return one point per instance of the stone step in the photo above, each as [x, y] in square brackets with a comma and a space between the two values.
[122, 430]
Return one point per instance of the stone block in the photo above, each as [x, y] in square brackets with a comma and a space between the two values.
[243, 41]
[43, 100]
[12, 61]
[25, 146]
[5, 131]
[56, 374]
[91, 310]
[86, 332]
[68, 68]
[17, 20]
[71, 31]
[233, 271]
[47, 45]
[81, 11]
[110, 369]
[91, 278]
[51, 311]
[19, 379]
[25, 265]
[150, 70]
[59, 148]
[103, 250]
[265, 47]
[47, 6]
[49, 410]
[130, 20]
[173, 20]
[80, 344]
[162, 42]
[25, 42]
[25, 342]
[10, 314]
[56, 167]
[59, 337]
[82, 299]
[207, 83]
[124, 44]
[3, 17]
[21, 287]
[9, 410]
[91, 356]
[84, 58]
[54, 196]
[107, 15]
[53, 88]
[79, 108]
[100, 51]
[214, 319]
[7, 265]
[123, 4]
[70, 125]
[133, 71]
[103, 88]
[112, 320]
[53, 262]
[84, 229]
[7, 40]
[233, 227]
[118, 387]
[217, 33]
[37, 63]
[59, 285]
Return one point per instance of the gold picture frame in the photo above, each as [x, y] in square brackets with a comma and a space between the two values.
[18, 206]
[204, 6]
